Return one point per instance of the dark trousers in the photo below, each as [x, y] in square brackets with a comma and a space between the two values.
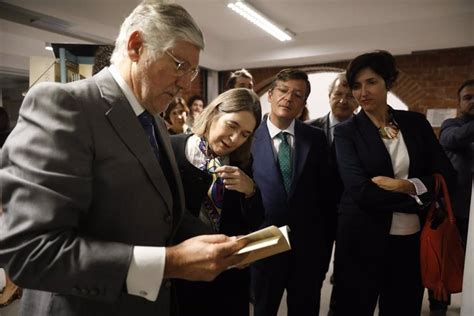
[227, 295]
[394, 280]
[302, 283]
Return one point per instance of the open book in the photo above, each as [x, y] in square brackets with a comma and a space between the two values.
[264, 243]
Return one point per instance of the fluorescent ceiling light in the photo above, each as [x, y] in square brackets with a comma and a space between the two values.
[257, 18]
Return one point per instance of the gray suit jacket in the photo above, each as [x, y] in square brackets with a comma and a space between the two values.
[81, 186]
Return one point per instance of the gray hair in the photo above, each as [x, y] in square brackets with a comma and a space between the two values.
[340, 77]
[160, 25]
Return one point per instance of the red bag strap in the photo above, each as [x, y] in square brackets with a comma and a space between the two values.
[441, 183]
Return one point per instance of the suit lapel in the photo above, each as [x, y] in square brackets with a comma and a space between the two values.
[163, 137]
[264, 159]
[326, 129]
[377, 151]
[302, 146]
[125, 123]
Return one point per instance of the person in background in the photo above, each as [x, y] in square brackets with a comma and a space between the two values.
[93, 216]
[342, 105]
[215, 166]
[457, 138]
[196, 106]
[386, 159]
[240, 79]
[102, 58]
[175, 116]
[291, 170]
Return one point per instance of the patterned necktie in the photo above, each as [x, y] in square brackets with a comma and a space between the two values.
[215, 195]
[147, 121]
[284, 160]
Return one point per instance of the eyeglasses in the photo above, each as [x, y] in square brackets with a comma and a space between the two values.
[285, 91]
[339, 96]
[183, 67]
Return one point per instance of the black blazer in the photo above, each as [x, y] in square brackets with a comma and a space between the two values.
[230, 290]
[337, 187]
[322, 123]
[457, 138]
[365, 210]
[239, 215]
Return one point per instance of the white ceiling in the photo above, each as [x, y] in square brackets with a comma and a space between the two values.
[326, 30]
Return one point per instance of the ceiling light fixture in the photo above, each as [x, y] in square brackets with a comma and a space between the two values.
[260, 20]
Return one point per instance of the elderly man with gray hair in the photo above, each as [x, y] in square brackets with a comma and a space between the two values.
[94, 217]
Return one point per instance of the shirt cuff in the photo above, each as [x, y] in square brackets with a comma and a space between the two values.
[420, 189]
[146, 270]
[3, 280]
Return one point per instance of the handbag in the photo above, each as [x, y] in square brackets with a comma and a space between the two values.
[441, 247]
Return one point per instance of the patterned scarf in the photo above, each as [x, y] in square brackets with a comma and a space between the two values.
[215, 196]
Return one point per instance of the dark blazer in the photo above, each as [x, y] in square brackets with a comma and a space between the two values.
[365, 210]
[304, 209]
[322, 123]
[457, 139]
[239, 215]
[230, 290]
[336, 185]
[81, 186]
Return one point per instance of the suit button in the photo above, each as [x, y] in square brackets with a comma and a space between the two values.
[85, 291]
[94, 292]
[75, 290]
[168, 284]
[168, 218]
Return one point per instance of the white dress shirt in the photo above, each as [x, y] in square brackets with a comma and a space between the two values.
[3, 280]
[403, 223]
[274, 131]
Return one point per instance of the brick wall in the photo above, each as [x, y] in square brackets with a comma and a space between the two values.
[427, 79]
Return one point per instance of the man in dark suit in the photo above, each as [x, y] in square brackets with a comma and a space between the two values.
[291, 170]
[92, 200]
[343, 106]
[457, 138]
